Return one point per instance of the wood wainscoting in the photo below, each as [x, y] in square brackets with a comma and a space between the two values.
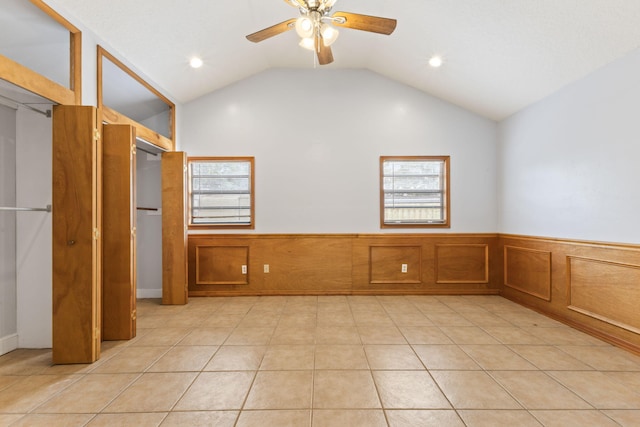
[326, 264]
[592, 286]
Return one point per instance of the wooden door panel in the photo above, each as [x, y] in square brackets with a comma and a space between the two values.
[174, 228]
[119, 227]
[76, 235]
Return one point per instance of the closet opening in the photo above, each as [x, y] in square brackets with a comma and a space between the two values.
[25, 219]
[147, 241]
[134, 200]
[132, 228]
[148, 219]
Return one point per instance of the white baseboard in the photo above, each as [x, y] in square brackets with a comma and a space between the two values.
[8, 343]
[149, 293]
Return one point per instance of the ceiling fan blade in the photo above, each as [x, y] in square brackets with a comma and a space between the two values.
[274, 30]
[357, 21]
[325, 55]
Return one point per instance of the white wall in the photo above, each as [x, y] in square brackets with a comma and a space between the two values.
[317, 136]
[8, 328]
[33, 189]
[570, 163]
[160, 123]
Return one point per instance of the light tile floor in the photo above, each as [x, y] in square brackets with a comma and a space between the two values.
[332, 361]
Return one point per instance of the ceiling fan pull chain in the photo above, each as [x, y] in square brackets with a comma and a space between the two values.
[315, 55]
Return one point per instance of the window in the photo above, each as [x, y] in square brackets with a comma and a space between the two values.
[414, 191]
[221, 192]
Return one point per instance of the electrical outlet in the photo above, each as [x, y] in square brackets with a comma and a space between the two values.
[266, 268]
[244, 269]
[404, 268]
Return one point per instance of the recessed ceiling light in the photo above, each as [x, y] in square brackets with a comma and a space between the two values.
[196, 62]
[435, 61]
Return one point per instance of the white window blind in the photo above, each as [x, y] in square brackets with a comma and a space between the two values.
[221, 192]
[414, 191]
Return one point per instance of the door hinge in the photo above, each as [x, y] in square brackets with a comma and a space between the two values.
[133, 149]
[96, 234]
[96, 135]
[133, 232]
[134, 315]
[96, 334]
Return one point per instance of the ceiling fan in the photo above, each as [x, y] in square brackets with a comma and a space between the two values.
[314, 26]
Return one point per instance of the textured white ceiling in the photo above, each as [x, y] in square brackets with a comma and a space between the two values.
[500, 55]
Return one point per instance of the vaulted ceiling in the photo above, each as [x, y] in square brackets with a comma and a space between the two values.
[499, 55]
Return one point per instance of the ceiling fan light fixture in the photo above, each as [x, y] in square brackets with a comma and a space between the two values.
[329, 34]
[304, 27]
[308, 43]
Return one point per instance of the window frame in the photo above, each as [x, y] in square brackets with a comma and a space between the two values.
[251, 224]
[447, 192]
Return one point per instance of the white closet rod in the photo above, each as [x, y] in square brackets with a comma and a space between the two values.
[147, 151]
[46, 113]
[145, 143]
[45, 209]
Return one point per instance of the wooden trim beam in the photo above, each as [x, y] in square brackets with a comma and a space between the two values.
[34, 82]
[111, 117]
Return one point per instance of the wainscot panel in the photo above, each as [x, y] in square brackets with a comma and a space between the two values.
[462, 263]
[593, 286]
[608, 291]
[528, 271]
[326, 264]
[222, 265]
[395, 264]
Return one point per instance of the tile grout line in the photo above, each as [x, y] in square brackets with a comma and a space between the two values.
[386, 306]
[313, 372]
[255, 374]
[430, 376]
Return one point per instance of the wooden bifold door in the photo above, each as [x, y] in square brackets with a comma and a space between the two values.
[77, 235]
[174, 228]
[94, 233]
[119, 225]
